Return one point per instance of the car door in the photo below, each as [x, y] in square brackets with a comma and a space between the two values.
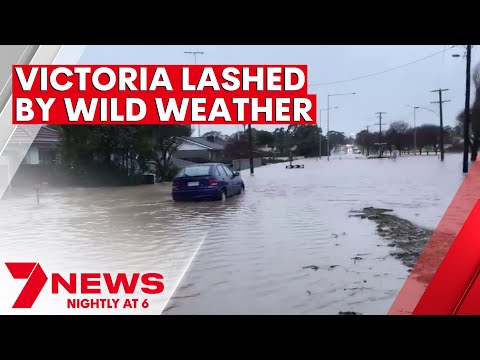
[233, 183]
[224, 178]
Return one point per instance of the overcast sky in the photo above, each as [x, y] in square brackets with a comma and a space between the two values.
[388, 92]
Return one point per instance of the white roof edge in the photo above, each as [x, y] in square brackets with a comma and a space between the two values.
[196, 143]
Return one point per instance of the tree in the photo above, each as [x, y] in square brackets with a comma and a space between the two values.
[282, 141]
[306, 139]
[166, 141]
[264, 138]
[365, 139]
[475, 117]
[450, 136]
[335, 139]
[397, 135]
[105, 154]
[237, 135]
[428, 135]
[350, 140]
[213, 133]
[474, 130]
[239, 149]
[83, 145]
[410, 138]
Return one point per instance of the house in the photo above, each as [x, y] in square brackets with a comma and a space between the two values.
[32, 153]
[44, 150]
[198, 149]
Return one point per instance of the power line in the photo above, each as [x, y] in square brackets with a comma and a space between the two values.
[384, 71]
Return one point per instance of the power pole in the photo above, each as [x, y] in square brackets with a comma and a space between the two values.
[380, 113]
[440, 102]
[466, 123]
[195, 53]
[415, 129]
[250, 147]
[320, 134]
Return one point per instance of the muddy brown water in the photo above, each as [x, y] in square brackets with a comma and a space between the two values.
[287, 246]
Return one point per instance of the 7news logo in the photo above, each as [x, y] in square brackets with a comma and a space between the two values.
[81, 284]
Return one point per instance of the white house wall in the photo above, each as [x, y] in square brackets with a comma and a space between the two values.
[32, 157]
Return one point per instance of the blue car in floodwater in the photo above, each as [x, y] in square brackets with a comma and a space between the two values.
[213, 181]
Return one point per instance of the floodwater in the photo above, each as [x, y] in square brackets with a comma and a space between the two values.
[249, 255]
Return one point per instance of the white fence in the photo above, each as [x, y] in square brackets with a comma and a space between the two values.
[243, 164]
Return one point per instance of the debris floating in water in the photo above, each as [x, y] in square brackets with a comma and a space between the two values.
[406, 239]
[313, 267]
[348, 313]
[356, 258]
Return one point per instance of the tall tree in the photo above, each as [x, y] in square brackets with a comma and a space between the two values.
[239, 149]
[336, 138]
[474, 130]
[397, 135]
[365, 139]
[282, 141]
[213, 133]
[166, 139]
[264, 138]
[428, 135]
[127, 149]
[306, 139]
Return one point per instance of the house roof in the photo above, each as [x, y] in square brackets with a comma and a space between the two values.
[41, 134]
[204, 143]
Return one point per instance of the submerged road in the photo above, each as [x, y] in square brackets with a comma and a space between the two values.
[287, 246]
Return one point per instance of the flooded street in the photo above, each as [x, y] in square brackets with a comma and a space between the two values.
[287, 246]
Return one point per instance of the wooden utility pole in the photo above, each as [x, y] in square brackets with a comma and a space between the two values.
[440, 102]
[250, 147]
[195, 53]
[380, 113]
[466, 122]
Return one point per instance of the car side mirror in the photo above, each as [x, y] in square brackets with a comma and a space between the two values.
[236, 173]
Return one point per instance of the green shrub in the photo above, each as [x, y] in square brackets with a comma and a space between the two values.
[170, 173]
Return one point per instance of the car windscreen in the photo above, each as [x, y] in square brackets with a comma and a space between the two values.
[202, 170]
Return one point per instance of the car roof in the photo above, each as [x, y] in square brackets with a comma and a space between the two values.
[206, 164]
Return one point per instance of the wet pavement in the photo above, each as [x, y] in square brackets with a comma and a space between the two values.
[287, 246]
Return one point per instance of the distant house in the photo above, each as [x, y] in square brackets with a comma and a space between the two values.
[200, 149]
[44, 150]
[31, 154]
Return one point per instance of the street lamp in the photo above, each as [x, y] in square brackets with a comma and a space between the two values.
[328, 119]
[415, 108]
[320, 128]
[195, 53]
